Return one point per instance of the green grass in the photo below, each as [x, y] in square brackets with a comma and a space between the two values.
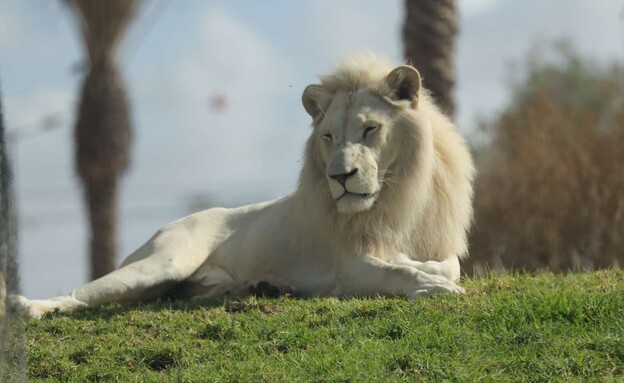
[505, 329]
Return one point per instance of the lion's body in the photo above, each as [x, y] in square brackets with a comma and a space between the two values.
[392, 221]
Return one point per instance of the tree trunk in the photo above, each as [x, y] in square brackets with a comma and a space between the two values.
[429, 34]
[12, 329]
[101, 198]
[103, 139]
[102, 132]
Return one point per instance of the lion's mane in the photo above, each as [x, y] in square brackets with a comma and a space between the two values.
[425, 207]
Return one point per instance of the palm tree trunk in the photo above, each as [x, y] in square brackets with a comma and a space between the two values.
[101, 198]
[103, 139]
[429, 33]
[103, 130]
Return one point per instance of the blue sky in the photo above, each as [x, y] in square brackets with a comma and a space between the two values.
[259, 56]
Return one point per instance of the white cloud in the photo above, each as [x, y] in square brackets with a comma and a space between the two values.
[9, 29]
[330, 29]
[230, 147]
[488, 43]
[37, 105]
[41, 124]
[469, 8]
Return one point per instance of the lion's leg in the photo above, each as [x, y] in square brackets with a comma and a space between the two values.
[168, 258]
[142, 280]
[368, 276]
[448, 268]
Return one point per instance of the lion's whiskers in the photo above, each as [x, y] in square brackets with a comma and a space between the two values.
[385, 179]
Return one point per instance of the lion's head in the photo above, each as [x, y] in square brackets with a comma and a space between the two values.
[384, 168]
[361, 131]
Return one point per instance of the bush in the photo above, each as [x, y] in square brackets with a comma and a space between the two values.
[550, 186]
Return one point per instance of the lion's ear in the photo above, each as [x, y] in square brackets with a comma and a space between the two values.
[315, 100]
[403, 83]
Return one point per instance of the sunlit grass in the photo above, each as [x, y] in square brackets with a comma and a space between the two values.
[505, 329]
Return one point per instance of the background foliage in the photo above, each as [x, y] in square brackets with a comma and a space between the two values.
[550, 184]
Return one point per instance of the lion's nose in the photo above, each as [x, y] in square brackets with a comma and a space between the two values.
[342, 178]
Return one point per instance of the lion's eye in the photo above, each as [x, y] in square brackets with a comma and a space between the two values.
[327, 137]
[369, 130]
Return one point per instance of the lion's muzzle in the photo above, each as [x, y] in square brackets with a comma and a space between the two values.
[352, 178]
[342, 177]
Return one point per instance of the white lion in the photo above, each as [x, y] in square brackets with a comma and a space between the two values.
[382, 207]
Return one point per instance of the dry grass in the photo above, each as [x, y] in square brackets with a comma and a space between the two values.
[550, 188]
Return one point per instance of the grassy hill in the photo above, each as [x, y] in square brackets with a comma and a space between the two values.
[519, 328]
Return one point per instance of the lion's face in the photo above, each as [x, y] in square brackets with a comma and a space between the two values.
[357, 135]
[355, 145]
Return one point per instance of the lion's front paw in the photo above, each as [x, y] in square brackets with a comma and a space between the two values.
[28, 308]
[435, 285]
